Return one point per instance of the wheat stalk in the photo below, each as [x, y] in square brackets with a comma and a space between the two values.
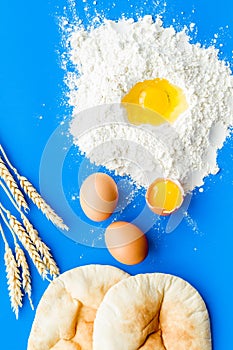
[26, 279]
[17, 228]
[36, 240]
[36, 198]
[12, 185]
[13, 277]
[17, 269]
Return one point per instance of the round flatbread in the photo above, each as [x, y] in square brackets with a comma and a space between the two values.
[65, 315]
[152, 311]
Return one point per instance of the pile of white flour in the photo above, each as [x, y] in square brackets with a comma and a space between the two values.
[108, 61]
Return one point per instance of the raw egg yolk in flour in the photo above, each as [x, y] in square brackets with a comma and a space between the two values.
[164, 196]
[154, 102]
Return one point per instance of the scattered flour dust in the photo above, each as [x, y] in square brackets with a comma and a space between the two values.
[108, 61]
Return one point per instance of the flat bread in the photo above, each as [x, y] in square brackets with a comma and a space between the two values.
[152, 311]
[65, 315]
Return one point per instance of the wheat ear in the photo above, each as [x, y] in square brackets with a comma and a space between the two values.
[26, 279]
[36, 240]
[36, 198]
[12, 185]
[41, 248]
[41, 203]
[13, 277]
[16, 227]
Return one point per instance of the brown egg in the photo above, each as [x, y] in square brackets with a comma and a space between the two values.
[98, 196]
[126, 242]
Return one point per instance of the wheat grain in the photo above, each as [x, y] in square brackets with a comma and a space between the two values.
[12, 185]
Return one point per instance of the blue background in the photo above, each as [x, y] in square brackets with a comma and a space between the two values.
[31, 85]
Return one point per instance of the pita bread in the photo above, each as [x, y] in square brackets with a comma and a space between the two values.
[65, 314]
[152, 311]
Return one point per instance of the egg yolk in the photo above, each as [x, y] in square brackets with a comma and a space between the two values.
[154, 102]
[164, 196]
